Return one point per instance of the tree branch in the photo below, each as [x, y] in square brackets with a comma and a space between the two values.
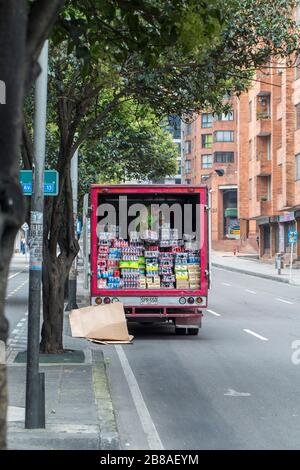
[41, 18]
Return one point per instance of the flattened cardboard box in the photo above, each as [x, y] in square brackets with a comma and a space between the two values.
[102, 323]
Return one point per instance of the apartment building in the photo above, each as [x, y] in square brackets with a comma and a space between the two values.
[268, 130]
[210, 157]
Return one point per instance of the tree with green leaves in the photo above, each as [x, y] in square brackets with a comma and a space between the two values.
[109, 53]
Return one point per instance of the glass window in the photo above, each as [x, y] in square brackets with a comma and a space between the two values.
[188, 128]
[188, 146]
[206, 120]
[207, 140]
[250, 111]
[297, 68]
[297, 166]
[206, 161]
[297, 108]
[224, 136]
[226, 116]
[224, 157]
[250, 188]
[250, 149]
[188, 166]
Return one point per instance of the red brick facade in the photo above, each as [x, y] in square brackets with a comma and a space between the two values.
[268, 145]
[210, 157]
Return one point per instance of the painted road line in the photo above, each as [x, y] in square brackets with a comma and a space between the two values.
[250, 291]
[16, 274]
[284, 301]
[141, 407]
[214, 313]
[255, 334]
[226, 284]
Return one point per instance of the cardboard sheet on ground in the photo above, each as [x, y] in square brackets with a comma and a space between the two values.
[103, 324]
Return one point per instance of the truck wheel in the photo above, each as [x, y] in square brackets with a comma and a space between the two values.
[193, 331]
[180, 331]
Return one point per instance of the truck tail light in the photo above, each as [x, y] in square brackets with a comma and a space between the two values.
[191, 300]
[182, 300]
[98, 300]
[106, 300]
[199, 300]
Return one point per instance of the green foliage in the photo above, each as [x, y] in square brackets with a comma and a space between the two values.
[135, 147]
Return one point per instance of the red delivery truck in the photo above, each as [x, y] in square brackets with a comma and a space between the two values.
[150, 250]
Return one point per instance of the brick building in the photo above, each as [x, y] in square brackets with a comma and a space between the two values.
[210, 157]
[268, 131]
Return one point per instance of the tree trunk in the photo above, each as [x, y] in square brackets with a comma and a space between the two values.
[13, 24]
[54, 275]
[59, 232]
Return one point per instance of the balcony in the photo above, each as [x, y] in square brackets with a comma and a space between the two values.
[263, 124]
[263, 208]
[263, 166]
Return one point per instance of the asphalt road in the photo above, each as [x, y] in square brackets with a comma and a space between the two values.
[235, 386]
[17, 292]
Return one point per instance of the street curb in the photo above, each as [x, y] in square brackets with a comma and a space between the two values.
[109, 436]
[251, 273]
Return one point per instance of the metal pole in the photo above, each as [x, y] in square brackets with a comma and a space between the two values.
[35, 399]
[73, 271]
[291, 261]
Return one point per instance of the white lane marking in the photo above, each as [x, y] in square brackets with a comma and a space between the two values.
[16, 274]
[226, 284]
[141, 407]
[234, 393]
[255, 334]
[284, 301]
[250, 291]
[16, 289]
[214, 313]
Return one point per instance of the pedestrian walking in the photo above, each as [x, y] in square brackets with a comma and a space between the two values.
[23, 246]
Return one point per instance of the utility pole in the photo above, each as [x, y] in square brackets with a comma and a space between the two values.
[72, 290]
[35, 381]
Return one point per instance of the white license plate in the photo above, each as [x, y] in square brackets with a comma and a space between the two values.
[149, 300]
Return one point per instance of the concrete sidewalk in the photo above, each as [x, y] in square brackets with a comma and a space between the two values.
[79, 409]
[254, 267]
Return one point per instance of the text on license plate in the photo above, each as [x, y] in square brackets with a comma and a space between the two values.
[149, 300]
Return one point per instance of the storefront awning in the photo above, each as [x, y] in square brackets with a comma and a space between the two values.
[230, 212]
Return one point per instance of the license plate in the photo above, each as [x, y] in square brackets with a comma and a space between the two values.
[149, 300]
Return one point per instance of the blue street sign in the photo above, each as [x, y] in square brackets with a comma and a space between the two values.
[293, 236]
[50, 182]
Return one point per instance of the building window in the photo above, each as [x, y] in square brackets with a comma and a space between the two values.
[188, 128]
[269, 148]
[206, 141]
[206, 120]
[224, 157]
[297, 68]
[297, 162]
[297, 109]
[188, 146]
[179, 168]
[250, 111]
[250, 189]
[225, 116]
[206, 161]
[250, 149]
[188, 181]
[188, 166]
[224, 136]
[269, 188]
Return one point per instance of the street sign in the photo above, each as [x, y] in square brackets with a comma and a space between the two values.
[50, 182]
[293, 237]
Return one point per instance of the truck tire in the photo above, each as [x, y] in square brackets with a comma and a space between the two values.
[193, 331]
[180, 331]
